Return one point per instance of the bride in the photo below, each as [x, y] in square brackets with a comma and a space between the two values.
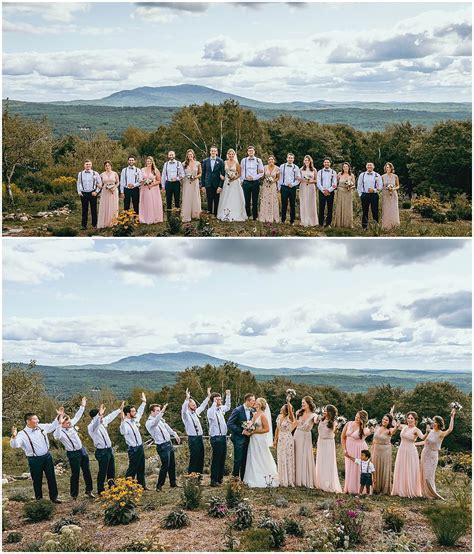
[261, 470]
[232, 201]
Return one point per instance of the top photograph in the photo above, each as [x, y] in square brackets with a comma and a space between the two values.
[237, 119]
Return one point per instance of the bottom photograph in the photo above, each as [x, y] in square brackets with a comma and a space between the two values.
[212, 395]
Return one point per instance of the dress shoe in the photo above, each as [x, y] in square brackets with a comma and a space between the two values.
[57, 501]
[214, 484]
[159, 489]
[90, 494]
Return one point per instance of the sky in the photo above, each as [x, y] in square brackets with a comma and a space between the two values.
[280, 52]
[398, 303]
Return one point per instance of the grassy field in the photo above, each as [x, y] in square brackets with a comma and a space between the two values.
[208, 534]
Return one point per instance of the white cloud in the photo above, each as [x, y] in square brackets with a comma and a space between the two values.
[62, 12]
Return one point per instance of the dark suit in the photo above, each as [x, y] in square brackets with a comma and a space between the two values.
[240, 442]
[211, 180]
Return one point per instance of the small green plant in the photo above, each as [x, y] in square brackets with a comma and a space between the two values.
[406, 205]
[304, 511]
[176, 520]
[281, 502]
[69, 539]
[63, 231]
[234, 492]
[293, 527]
[63, 522]
[243, 516]
[395, 542]
[191, 495]
[38, 510]
[256, 540]
[217, 507]
[120, 501]
[451, 215]
[349, 514]
[174, 223]
[393, 519]
[125, 223]
[148, 544]
[230, 540]
[277, 531]
[19, 496]
[61, 202]
[14, 537]
[80, 508]
[328, 539]
[449, 522]
[5, 515]
[439, 217]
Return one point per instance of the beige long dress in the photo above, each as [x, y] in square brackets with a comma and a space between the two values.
[406, 475]
[269, 210]
[382, 460]
[109, 199]
[429, 463]
[344, 193]
[191, 204]
[327, 477]
[285, 452]
[304, 460]
[308, 209]
[390, 213]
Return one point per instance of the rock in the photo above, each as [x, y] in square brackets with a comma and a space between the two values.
[25, 475]
[12, 230]
[4, 481]
[23, 218]
[41, 214]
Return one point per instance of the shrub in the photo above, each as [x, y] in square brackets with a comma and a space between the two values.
[451, 215]
[14, 537]
[176, 520]
[63, 231]
[19, 496]
[439, 217]
[217, 507]
[69, 539]
[462, 463]
[65, 182]
[349, 515]
[328, 539]
[243, 516]
[19, 197]
[173, 222]
[294, 528]
[230, 540]
[427, 206]
[204, 227]
[79, 508]
[393, 519]
[304, 511]
[37, 183]
[277, 531]
[281, 502]
[449, 522]
[38, 510]
[120, 501]
[62, 201]
[406, 205]
[462, 207]
[5, 514]
[191, 495]
[148, 544]
[63, 522]
[125, 223]
[394, 542]
[256, 540]
[234, 492]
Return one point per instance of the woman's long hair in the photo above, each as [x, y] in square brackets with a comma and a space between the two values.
[348, 165]
[186, 161]
[331, 415]
[311, 164]
[309, 400]
[364, 418]
[153, 165]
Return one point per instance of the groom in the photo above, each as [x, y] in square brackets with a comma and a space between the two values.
[213, 172]
[240, 437]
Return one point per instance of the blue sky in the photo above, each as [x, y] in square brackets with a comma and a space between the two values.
[385, 51]
[267, 303]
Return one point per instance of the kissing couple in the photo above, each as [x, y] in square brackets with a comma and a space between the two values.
[251, 430]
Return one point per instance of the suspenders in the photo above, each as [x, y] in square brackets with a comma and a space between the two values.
[177, 170]
[294, 173]
[70, 440]
[332, 175]
[258, 160]
[31, 442]
[375, 181]
[134, 434]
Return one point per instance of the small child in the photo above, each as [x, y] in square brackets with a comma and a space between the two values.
[366, 470]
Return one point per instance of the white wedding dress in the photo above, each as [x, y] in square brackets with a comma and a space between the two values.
[231, 201]
[260, 469]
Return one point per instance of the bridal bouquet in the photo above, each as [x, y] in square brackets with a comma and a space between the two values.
[455, 406]
[248, 425]
[232, 175]
[341, 421]
[290, 394]
[399, 417]
[350, 185]
[270, 180]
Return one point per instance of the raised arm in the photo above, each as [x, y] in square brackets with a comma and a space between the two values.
[226, 407]
[79, 412]
[141, 408]
[204, 403]
[106, 420]
[449, 430]
[16, 440]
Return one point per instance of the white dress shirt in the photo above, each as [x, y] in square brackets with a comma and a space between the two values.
[368, 181]
[88, 181]
[160, 431]
[215, 416]
[35, 441]
[69, 437]
[130, 176]
[192, 424]
[366, 466]
[251, 167]
[129, 428]
[97, 429]
[172, 170]
[326, 180]
[213, 163]
[289, 174]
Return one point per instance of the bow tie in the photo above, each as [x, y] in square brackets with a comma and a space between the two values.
[171, 161]
[326, 169]
[289, 165]
[370, 172]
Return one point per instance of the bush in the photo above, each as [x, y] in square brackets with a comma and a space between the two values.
[328, 539]
[449, 522]
[69, 539]
[176, 520]
[65, 182]
[230, 540]
[256, 540]
[62, 201]
[217, 507]
[14, 537]
[173, 222]
[19, 197]
[277, 531]
[462, 207]
[234, 492]
[79, 508]
[393, 519]
[281, 502]
[439, 217]
[427, 206]
[349, 515]
[394, 542]
[125, 224]
[5, 515]
[63, 231]
[38, 510]
[243, 516]
[19, 496]
[148, 544]
[120, 501]
[294, 528]
[451, 215]
[37, 183]
[406, 205]
[191, 495]
[304, 511]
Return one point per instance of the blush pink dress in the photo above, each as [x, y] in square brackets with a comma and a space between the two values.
[354, 445]
[304, 459]
[327, 478]
[406, 475]
[151, 204]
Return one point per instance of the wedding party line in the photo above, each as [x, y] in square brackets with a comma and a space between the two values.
[251, 432]
[237, 191]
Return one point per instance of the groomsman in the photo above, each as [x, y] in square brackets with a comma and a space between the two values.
[287, 185]
[88, 187]
[130, 180]
[171, 176]
[218, 432]
[240, 437]
[251, 174]
[33, 438]
[162, 433]
[213, 173]
[190, 412]
[368, 185]
[104, 454]
[131, 433]
[326, 182]
[75, 451]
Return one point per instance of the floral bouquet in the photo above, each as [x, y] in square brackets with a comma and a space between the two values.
[341, 421]
[149, 181]
[248, 426]
[427, 421]
[318, 411]
[110, 186]
[269, 179]
[390, 188]
[350, 185]
[455, 406]
[231, 174]
[190, 175]
[401, 418]
[290, 394]
[372, 422]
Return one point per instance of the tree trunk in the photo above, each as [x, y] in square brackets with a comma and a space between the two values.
[9, 188]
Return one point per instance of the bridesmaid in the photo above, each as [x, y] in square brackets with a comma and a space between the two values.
[382, 454]
[353, 441]
[406, 475]
[269, 211]
[109, 198]
[285, 445]
[390, 215]
[304, 471]
[344, 192]
[429, 455]
[191, 204]
[327, 478]
[151, 204]
[308, 210]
